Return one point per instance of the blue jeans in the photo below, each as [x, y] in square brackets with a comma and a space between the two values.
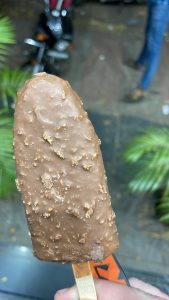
[157, 21]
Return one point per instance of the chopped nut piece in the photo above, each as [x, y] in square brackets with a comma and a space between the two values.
[89, 213]
[86, 166]
[74, 163]
[58, 225]
[74, 150]
[59, 153]
[82, 241]
[47, 180]
[46, 215]
[50, 209]
[58, 236]
[88, 138]
[47, 137]
[18, 184]
[94, 156]
[20, 132]
[101, 221]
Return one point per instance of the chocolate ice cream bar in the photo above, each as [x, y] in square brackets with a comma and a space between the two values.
[61, 175]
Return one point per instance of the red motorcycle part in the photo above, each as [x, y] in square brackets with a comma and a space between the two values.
[66, 4]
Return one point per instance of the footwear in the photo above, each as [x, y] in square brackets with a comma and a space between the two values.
[135, 96]
[131, 63]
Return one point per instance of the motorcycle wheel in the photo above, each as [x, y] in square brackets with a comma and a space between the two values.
[58, 66]
[30, 68]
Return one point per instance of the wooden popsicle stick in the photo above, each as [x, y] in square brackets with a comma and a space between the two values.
[84, 281]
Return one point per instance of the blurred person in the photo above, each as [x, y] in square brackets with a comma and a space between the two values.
[107, 290]
[157, 21]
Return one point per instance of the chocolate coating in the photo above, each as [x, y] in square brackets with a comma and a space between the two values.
[61, 175]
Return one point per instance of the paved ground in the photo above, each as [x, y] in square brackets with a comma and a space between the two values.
[105, 36]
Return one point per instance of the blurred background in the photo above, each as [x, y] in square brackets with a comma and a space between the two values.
[89, 43]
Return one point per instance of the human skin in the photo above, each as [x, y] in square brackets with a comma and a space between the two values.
[107, 290]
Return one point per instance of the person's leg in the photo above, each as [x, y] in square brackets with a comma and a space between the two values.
[158, 23]
[143, 55]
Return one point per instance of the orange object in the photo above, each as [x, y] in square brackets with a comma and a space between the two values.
[109, 269]
[33, 61]
[40, 37]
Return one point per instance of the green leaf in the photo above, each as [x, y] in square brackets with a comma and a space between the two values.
[166, 191]
[163, 205]
[147, 180]
[7, 36]
[165, 219]
[10, 82]
[7, 164]
[149, 155]
[6, 121]
[147, 143]
[163, 208]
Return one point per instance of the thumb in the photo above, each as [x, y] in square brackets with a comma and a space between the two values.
[107, 290]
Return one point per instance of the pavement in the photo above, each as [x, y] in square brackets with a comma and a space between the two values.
[105, 37]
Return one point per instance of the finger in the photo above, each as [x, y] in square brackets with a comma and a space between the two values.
[148, 288]
[108, 291]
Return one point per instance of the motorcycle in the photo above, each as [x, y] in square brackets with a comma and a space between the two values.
[53, 39]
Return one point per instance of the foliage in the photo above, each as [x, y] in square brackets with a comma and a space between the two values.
[7, 165]
[10, 82]
[7, 37]
[149, 154]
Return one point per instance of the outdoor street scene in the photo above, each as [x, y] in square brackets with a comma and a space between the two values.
[110, 55]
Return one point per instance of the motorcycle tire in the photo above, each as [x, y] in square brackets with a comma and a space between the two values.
[57, 67]
[29, 68]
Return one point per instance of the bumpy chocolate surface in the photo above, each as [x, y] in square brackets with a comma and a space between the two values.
[61, 175]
